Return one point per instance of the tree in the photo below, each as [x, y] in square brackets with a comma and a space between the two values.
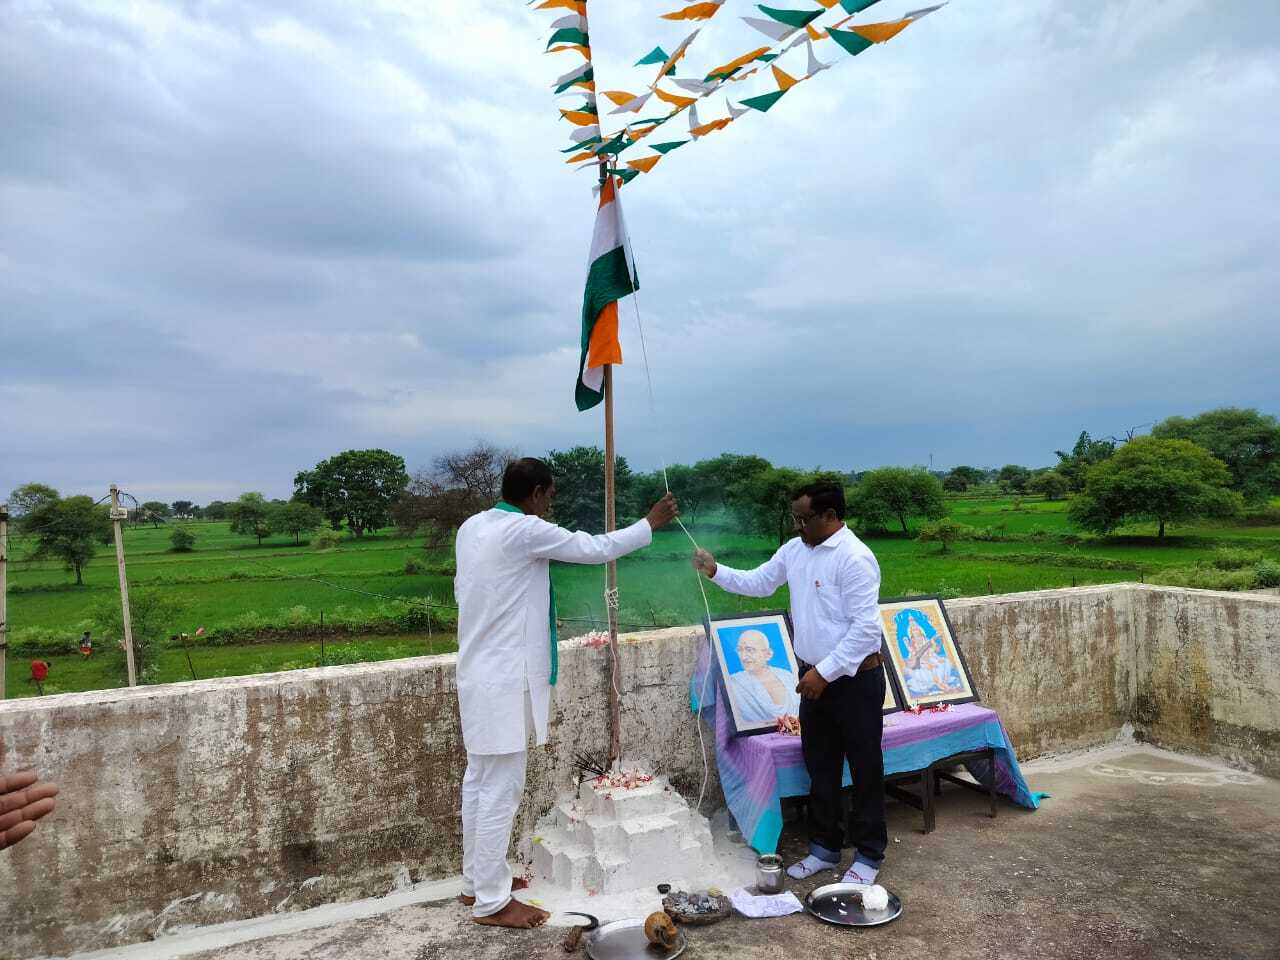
[1153, 479]
[155, 512]
[458, 485]
[579, 478]
[897, 493]
[1074, 465]
[762, 501]
[356, 487]
[216, 510]
[28, 497]
[945, 531]
[250, 515]
[183, 540]
[1247, 441]
[1050, 484]
[67, 529]
[1013, 478]
[695, 488]
[153, 617]
[295, 518]
[182, 508]
[962, 478]
[719, 475]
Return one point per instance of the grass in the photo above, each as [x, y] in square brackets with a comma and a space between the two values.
[230, 580]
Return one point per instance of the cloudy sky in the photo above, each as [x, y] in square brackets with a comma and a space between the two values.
[236, 238]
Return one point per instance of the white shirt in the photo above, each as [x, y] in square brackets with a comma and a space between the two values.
[835, 598]
[503, 590]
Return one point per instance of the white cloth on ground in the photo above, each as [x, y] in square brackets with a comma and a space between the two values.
[770, 905]
[504, 640]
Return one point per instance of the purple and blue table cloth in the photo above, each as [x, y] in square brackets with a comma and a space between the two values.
[756, 772]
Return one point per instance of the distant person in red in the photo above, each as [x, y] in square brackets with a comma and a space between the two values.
[86, 644]
[23, 801]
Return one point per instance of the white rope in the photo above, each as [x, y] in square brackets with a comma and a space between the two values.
[702, 694]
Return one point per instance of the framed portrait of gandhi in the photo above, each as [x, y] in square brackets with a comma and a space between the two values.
[923, 652]
[758, 667]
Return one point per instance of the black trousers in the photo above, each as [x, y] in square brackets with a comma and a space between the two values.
[846, 723]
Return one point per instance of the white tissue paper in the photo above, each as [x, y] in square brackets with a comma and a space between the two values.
[776, 905]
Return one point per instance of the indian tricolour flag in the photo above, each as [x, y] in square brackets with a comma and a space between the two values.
[610, 276]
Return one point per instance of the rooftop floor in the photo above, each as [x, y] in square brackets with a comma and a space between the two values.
[1139, 853]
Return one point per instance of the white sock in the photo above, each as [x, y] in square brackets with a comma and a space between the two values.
[807, 867]
[860, 873]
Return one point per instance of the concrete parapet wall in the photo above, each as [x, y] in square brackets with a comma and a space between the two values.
[202, 802]
[1056, 664]
[1208, 665]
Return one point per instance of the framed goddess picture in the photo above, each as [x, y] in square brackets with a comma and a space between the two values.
[926, 659]
[758, 667]
[892, 695]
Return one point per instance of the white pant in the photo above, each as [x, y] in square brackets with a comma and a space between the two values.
[491, 792]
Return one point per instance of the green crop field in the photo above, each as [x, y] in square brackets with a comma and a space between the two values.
[263, 606]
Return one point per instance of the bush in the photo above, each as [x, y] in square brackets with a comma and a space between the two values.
[44, 642]
[945, 531]
[326, 539]
[1267, 574]
[183, 540]
[1205, 578]
[412, 565]
[1231, 558]
[1265, 517]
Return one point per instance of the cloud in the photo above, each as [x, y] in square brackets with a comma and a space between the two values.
[237, 238]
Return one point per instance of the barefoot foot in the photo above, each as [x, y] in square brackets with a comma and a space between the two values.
[517, 915]
[517, 883]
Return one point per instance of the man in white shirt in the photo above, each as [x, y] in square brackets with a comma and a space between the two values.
[835, 592]
[507, 664]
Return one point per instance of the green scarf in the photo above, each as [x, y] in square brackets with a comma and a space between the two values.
[555, 652]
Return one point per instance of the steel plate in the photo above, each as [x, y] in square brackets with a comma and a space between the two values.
[625, 940]
[841, 904]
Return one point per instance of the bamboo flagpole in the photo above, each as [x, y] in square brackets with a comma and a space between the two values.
[611, 573]
[118, 514]
[4, 595]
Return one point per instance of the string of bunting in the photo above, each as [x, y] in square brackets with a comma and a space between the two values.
[787, 28]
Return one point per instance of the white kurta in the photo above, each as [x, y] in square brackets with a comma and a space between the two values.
[504, 638]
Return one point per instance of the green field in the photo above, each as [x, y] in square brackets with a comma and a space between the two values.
[271, 599]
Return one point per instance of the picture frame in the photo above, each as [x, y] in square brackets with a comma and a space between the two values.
[760, 690]
[926, 660]
[893, 699]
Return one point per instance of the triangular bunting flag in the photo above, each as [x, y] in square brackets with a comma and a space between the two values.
[853, 43]
[792, 18]
[668, 147]
[785, 80]
[696, 11]
[674, 99]
[764, 101]
[770, 28]
[644, 164]
[656, 55]
[880, 32]
[733, 66]
[815, 65]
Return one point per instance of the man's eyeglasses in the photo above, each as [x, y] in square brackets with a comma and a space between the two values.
[802, 522]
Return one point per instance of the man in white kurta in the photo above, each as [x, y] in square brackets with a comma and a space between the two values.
[507, 664]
